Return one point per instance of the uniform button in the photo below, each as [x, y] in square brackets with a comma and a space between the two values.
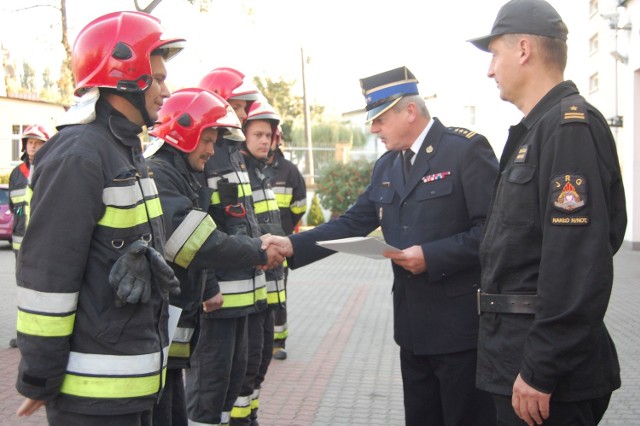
[405, 228]
[404, 204]
[380, 198]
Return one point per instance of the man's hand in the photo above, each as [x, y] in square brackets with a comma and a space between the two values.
[29, 406]
[411, 259]
[530, 405]
[213, 304]
[283, 243]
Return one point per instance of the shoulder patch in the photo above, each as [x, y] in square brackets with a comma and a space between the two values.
[461, 131]
[573, 110]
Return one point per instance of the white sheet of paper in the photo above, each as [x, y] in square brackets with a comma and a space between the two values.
[174, 316]
[362, 246]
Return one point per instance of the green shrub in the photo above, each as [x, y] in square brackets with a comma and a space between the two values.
[315, 216]
[339, 185]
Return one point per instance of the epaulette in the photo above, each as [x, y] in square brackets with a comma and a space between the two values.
[573, 109]
[461, 131]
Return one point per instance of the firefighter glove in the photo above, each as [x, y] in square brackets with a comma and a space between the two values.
[163, 275]
[130, 276]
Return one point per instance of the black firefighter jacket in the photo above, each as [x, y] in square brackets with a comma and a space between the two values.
[92, 198]
[195, 247]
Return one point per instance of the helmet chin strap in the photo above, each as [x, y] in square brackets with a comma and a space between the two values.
[137, 100]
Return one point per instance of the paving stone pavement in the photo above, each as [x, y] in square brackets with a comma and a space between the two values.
[343, 367]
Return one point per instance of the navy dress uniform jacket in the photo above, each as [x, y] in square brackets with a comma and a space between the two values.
[442, 208]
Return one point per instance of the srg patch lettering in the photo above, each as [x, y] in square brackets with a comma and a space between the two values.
[568, 194]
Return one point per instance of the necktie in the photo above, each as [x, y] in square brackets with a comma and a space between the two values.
[406, 161]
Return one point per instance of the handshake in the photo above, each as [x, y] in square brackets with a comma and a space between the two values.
[277, 248]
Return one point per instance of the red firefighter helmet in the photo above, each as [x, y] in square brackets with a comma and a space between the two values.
[188, 112]
[277, 137]
[262, 110]
[230, 84]
[114, 51]
[35, 131]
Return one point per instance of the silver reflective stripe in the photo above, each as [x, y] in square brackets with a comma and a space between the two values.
[18, 192]
[267, 194]
[242, 401]
[225, 417]
[283, 190]
[194, 423]
[182, 233]
[213, 182]
[255, 394]
[183, 334]
[148, 187]
[242, 286]
[16, 239]
[122, 196]
[280, 328]
[233, 177]
[300, 203]
[49, 303]
[273, 286]
[114, 365]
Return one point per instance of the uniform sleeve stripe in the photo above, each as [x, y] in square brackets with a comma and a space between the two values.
[45, 325]
[127, 218]
[46, 303]
[188, 238]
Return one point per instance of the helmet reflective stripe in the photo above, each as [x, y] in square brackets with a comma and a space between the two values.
[35, 131]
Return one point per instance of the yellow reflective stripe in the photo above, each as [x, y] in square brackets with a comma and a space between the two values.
[276, 297]
[239, 300]
[215, 198]
[285, 264]
[244, 190]
[242, 286]
[242, 407]
[119, 218]
[299, 207]
[27, 206]
[266, 206]
[188, 238]
[255, 399]
[179, 350]
[280, 335]
[16, 242]
[45, 325]
[48, 303]
[19, 196]
[112, 387]
[284, 200]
